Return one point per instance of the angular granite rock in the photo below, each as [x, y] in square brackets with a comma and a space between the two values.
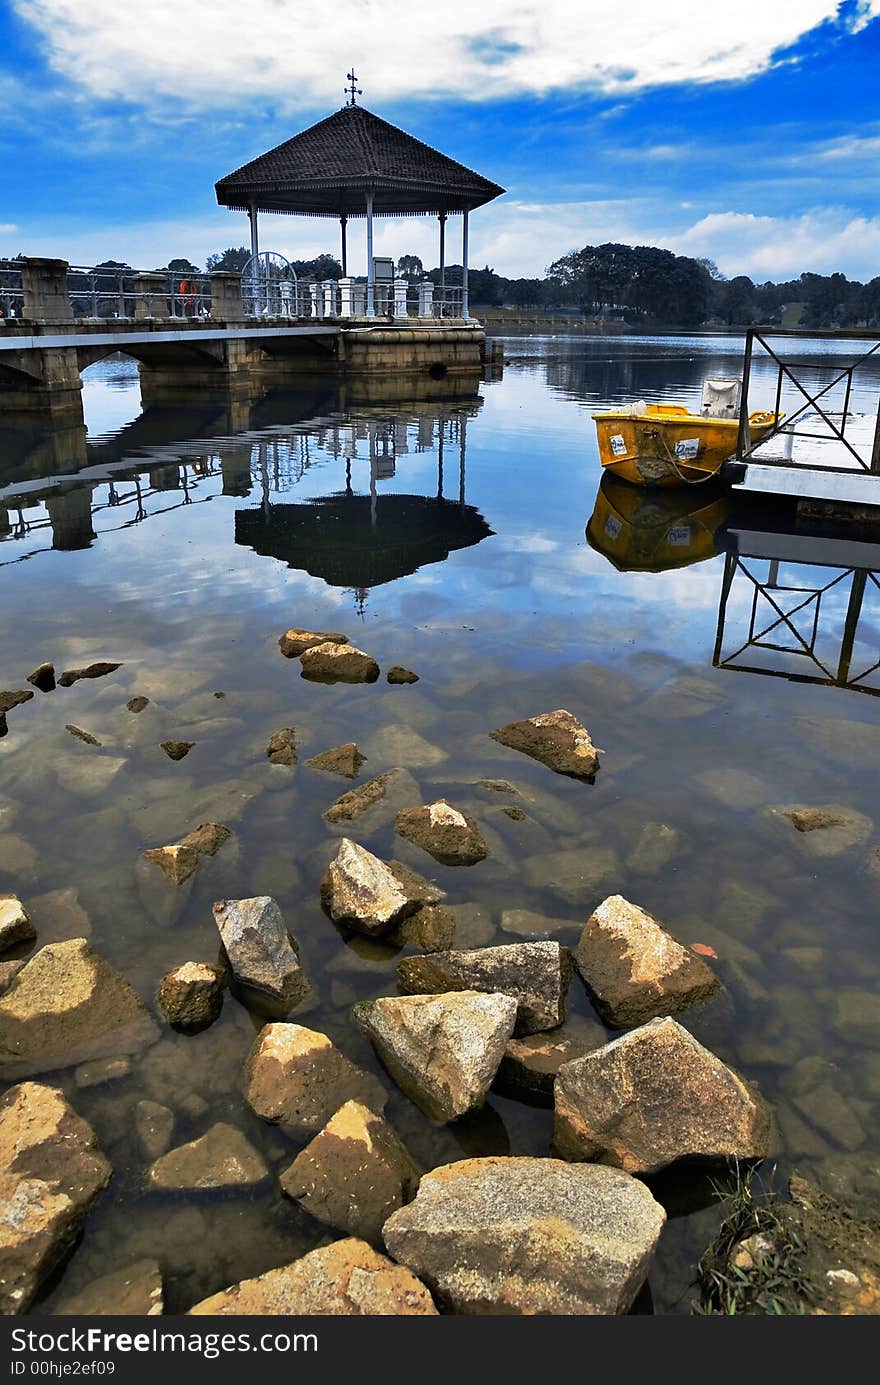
[528, 1236]
[353, 1174]
[135, 1291]
[15, 924]
[221, 1158]
[633, 969]
[338, 663]
[8, 700]
[281, 749]
[535, 974]
[97, 670]
[295, 642]
[653, 1096]
[344, 1280]
[431, 928]
[450, 836]
[297, 1078]
[50, 1173]
[262, 955]
[442, 1050]
[66, 1006]
[530, 1063]
[394, 787]
[43, 677]
[557, 739]
[362, 892]
[179, 860]
[341, 759]
[191, 996]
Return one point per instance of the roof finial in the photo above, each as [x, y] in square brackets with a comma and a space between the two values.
[352, 91]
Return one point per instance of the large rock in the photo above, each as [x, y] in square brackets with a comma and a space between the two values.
[340, 759]
[135, 1291]
[353, 1174]
[450, 836]
[179, 860]
[528, 1236]
[295, 642]
[557, 739]
[263, 957]
[431, 928]
[297, 1078]
[68, 1005]
[653, 1096]
[281, 749]
[338, 663]
[8, 700]
[43, 677]
[98, 670]
[442, 1050]
[530, 1063]
[633, 969]
[51, 1173]
[221, 1158]
[535, 974]
[347, 1279]
[191, 995]
[15, 924]
[362, 892]
[396, 788]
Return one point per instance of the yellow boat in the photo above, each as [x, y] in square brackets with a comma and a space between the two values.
[667, 445]
[657, 531]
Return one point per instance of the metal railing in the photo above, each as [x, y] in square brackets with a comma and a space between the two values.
[11, 292]
[113, 291]
[814, 404]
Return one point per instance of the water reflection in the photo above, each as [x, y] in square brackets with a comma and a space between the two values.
[641, 530]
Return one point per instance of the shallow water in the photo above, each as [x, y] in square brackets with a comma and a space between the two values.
[192, 546]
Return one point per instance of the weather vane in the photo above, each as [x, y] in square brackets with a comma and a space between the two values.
[352, 91]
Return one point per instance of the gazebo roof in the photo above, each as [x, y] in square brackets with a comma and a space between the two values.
[329, 168]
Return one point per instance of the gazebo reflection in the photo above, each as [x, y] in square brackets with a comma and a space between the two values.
[360, 541]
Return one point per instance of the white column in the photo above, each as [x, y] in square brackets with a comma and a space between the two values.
[315, 291]
[371, 283]
[329, 288]
[426, 297]
[345, 295]
[255, 250]
[400, 297]
[464, 264]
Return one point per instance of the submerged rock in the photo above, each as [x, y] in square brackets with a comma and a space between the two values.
[66, 1006]
[341, 759]
[51, 1174]
[262, 955]
[15, 923]
[82, 735]
[153, 1123]
[398, 674]
[281, 749]
[191, 995]
[347, 1279]
[43, 677]
[207, 838]
[221, 1158]
[530, 1063]
[98, 670]
[450, 836]
[135, 1291]
[535, 974]
[362, 892]
[176, 750]
[442, 1050]
[396, 786]
[653, 1096]
[338, 663]
[657, 845]
[297, 1078]
[829, 829]
[176, 861]
[295, 642]
[353, 1174]
[557, 739]
[633, 969]
[8, 973]
[431, 928]
[137, 704]
[102, 1070]
[528, 1236]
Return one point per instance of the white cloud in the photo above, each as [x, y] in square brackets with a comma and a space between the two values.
[823, 240]
[7, 228]
[210, 53]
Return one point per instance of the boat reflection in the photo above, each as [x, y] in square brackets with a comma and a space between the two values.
[654, 531]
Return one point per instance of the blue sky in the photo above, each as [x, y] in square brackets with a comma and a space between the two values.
[748, 133]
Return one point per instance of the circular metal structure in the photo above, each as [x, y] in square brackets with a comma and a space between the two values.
[268, 286]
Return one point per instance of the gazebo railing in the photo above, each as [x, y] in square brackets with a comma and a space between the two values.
[102, 292]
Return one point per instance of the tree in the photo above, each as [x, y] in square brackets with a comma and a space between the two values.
[321, 267]
[736, 301]
[411, 268]
[184, 267]
[232, 260]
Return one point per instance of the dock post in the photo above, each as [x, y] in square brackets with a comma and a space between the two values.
[44, 290]
[227, 304]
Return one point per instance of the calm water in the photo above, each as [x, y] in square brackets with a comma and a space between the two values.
[197, 534]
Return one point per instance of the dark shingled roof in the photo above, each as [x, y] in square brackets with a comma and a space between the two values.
[329, 168]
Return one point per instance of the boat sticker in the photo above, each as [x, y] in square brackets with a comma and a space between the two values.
[613, 527]
[618, 445]
[687, 449]
[679, 537]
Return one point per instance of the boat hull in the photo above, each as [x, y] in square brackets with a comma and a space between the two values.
[667, 446]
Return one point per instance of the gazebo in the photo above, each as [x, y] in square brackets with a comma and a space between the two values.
[355, 164]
